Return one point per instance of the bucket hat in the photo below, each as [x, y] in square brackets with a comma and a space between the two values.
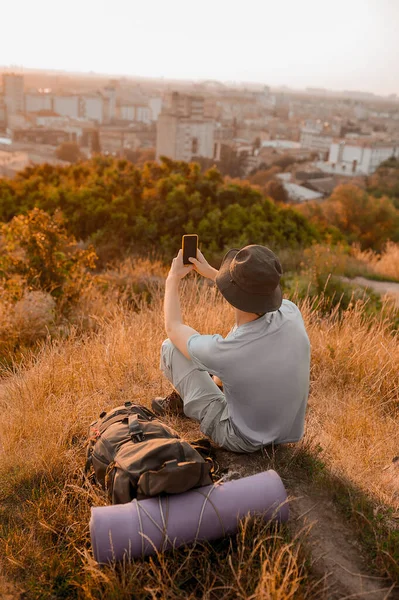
[249, 279]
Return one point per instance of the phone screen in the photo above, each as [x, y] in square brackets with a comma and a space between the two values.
[190, 245]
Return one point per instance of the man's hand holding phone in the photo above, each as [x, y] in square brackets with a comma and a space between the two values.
[179, 270]
[185, 261]
[202, 266]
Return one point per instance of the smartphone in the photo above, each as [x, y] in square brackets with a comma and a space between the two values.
[190, 246]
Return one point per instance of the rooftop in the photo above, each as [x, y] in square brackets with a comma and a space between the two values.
[369, 142]
[287, 144]
[300, 193]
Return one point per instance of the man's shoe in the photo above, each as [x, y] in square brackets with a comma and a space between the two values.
[171, 405]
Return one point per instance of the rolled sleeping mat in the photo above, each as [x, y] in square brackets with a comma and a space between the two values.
[145, 527]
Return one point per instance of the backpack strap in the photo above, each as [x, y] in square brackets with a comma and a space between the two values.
[135, 431]
[88, 463]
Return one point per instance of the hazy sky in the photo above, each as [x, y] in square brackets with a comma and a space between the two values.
[341, 44]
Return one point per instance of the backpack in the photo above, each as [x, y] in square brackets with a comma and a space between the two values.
[132, 454]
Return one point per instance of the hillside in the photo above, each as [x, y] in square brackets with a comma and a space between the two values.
[336, 475]
[80, 331]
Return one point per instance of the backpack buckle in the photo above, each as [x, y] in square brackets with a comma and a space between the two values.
[135, 431]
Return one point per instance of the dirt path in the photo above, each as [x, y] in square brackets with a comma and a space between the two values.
[381, 287]
[8, 591]
[336, 557]
[338, 560]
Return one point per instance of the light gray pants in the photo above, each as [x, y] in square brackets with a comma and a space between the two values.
[203, 400]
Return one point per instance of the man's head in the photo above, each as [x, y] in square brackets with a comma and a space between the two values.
[249, 279]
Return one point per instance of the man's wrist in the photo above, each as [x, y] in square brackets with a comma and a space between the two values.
[172, 279]
[213, 274]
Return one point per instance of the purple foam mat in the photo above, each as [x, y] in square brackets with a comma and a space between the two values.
[144, 527]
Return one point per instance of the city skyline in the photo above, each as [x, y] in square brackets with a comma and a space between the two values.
[350, 46]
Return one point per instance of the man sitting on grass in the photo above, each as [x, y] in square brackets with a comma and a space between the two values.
[264, 362]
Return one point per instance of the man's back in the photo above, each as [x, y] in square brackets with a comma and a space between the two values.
[264, 365]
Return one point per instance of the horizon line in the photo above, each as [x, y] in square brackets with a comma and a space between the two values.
[308, 89]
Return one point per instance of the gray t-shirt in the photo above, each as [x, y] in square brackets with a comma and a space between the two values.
[264, 366]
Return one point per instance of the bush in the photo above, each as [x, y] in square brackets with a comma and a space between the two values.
[38, 254]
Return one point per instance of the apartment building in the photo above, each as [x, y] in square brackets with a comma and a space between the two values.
[3, 114]
[138, 113]
[13, 93]
[67, 106]
[91, 107]
[37, 101]
[316, 141]
[358, 157]
[183, 130]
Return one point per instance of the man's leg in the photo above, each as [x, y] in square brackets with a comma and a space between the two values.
[197, 390]
[202, 399]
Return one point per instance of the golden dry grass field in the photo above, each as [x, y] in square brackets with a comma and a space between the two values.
[342, 470]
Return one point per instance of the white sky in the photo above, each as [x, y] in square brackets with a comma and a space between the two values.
[340, 44]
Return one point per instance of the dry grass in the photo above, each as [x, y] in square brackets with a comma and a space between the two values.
[349, 261]
[385, 264]
[259, 564]
[354, 397]
[52, 397]
[26, 321]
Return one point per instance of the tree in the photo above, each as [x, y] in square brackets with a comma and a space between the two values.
[141, 156]
[69, 151]
[256, 144]
[276, 190]
[385, 181]
[231, 162]
[95, 142]
[284, 161]
[362, 217]
[262, 177]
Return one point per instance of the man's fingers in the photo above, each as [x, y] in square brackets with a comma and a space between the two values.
[193, 260]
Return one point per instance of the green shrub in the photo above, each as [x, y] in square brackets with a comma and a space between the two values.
[121, 207]
[38, 254]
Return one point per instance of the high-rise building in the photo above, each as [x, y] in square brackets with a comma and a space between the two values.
[13, 92]
[183, 129]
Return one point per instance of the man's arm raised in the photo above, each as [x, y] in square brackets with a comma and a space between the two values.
[177, 331]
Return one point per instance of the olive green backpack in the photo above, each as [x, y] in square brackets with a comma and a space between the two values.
[132, 454]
